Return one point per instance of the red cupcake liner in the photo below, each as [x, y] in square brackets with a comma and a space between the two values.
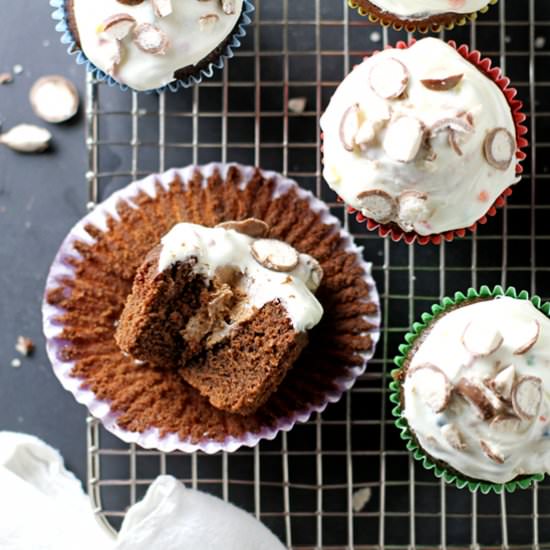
[485, 65]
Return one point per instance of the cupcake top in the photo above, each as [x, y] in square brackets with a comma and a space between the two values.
[476, 391]
[419, 137]
[146, 43]
[273, 270]
[418, 9]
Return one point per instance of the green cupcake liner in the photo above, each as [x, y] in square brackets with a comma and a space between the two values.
[422, 26]
[417, 452]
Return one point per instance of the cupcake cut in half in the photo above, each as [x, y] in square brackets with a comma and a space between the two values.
[421, 15]
[473, 390]
[420, 141]
[148, 44]
[226, 307]
[181, 328]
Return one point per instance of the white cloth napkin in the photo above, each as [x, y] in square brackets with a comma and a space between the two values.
[43, 507]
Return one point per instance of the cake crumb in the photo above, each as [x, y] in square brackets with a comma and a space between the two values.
[15, 363]
[361, 498]
[17, 69]
[24, 345]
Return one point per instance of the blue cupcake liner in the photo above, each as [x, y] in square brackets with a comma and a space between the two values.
[62, 26]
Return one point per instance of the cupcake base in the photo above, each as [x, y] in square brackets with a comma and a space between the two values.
[93, 273]
[435, 23]
[413, 340]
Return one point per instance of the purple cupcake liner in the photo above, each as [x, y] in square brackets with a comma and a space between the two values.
[100, 409]
[67, 38]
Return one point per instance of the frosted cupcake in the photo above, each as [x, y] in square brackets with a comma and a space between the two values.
[150, 44]
[472, 390]
[150, 310]
[421, 15]
[422, 140]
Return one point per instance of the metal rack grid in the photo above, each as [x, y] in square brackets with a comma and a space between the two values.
[343, 480]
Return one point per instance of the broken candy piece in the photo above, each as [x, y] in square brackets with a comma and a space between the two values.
[349, 126]
[432, 385]
[412, 208]
[480, 398]
[453, 437]
[491, 452]
[481, 339]
[389, 78]
[163, 8]
[54, 99]
[499, 148]
[503, 382]
[523, 337]
[151, 39]
[275, 255]
[442, 84]
[527, 397]
[26, 138]
[378, 205]
[117, 26]
[251, 226]
[403, 138]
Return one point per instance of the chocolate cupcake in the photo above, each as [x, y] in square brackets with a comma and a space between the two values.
[472, 390]
[423, 141]
[421, 15]
[155, 406]
[152, 44]
[226, 307]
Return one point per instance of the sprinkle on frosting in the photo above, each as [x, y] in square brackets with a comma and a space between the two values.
[423, 124]
[273, 270]
[143, 44]
[477, 390]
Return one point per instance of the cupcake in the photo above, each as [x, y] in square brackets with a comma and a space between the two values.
[152, 44]
[423, 141]
[472, 390]
[423, 15]
[275, 293]
[226, 307]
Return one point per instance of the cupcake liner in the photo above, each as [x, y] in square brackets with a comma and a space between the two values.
[434, 23]
[171, 185]
[234, 42]
[451, 476]
[495, 74]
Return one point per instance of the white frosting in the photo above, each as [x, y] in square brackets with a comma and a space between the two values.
[418, 9]
[525, 446]
[188, 43]
[459, 189]
[217, 247]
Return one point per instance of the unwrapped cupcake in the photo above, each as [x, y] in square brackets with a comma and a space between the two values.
[150, 44]
[423, 140]
[421, 15]
[209, 308]
[472, 390]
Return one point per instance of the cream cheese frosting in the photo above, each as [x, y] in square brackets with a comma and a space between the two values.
[419, 137]
[417, 9]
[477, 390]
[292, 278]
[193, 30]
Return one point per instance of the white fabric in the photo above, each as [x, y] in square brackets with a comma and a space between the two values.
[43, 507]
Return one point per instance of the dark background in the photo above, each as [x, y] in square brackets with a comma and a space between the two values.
[41, 196]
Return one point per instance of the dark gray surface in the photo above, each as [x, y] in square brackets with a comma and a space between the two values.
[41, 196]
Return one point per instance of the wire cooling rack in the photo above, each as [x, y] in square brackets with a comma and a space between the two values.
[343, 480]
